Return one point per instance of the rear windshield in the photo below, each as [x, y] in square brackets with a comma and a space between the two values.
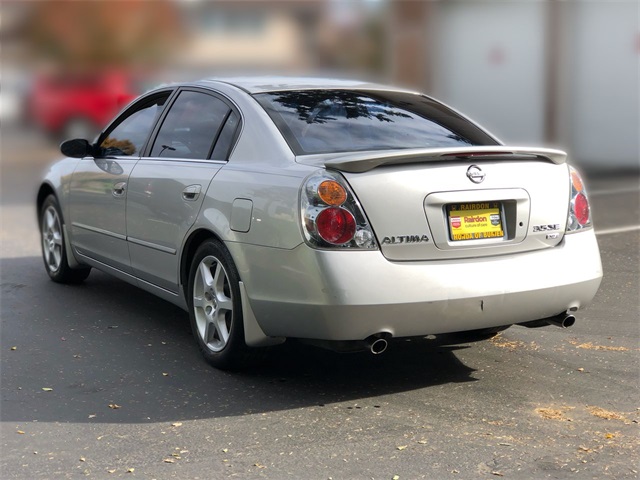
[328, 121]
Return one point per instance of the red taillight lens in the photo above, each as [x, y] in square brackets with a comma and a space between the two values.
[336, 225]
[581, 209]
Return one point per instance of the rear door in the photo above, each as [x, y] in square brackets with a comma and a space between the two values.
[98, 188]
[168, 184]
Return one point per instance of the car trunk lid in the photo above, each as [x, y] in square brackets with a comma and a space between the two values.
[460, 203]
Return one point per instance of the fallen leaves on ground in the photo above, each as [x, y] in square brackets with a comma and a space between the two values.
[176, 424]
[47, 389]
[591, 346]
[549, 413]
[20, 432]
[606, 414]
[501, 342]
[14, 348]
[401, 447]
[114, 406]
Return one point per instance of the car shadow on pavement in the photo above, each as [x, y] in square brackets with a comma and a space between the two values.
[106, 351]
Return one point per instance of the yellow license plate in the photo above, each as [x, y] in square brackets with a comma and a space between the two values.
[475, 221]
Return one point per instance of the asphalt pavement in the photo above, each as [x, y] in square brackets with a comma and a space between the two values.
[103, 380]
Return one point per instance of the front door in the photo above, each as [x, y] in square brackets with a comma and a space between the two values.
[99, 186]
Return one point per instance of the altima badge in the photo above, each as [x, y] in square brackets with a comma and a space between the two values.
[404, 239]
[475, 174]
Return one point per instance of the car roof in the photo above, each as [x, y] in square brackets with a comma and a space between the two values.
[265, 84]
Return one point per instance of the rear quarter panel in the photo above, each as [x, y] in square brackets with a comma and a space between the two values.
[261, 176]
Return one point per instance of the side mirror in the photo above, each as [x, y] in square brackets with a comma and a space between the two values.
[77, 148]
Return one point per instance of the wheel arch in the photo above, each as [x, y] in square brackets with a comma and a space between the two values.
[44, 191]
[195, 239]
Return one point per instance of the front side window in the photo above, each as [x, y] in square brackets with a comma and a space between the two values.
[128, 136]
[328, 121]
[190, 127]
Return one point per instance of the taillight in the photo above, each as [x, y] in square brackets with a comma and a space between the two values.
[331, 214]
[336, 226]
[579, 209]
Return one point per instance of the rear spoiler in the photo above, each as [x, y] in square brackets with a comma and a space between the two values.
[359, 162]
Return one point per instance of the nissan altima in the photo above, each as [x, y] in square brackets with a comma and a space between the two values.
[335, 212]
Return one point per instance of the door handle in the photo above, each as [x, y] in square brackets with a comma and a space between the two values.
[119, 189]
[191, 193]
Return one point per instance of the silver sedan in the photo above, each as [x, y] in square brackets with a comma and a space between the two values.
[339, 213]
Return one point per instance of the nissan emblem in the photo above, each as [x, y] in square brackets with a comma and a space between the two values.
[475, 174]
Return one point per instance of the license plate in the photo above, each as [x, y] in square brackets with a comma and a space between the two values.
[475, 221]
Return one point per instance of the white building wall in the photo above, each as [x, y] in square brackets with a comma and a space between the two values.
[489, 64]
[491, 61]
[602, 84]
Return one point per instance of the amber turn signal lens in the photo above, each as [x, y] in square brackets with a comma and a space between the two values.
[332, 193]
[577, 181]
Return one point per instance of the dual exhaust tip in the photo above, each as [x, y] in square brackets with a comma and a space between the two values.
[377, 344]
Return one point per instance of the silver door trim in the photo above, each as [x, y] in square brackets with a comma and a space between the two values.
[183, 160]
[155, 246]
[99, 230]
[174, 297]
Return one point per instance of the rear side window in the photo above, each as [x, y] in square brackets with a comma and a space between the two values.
[227, 135]
[328, 121]
[190, 127]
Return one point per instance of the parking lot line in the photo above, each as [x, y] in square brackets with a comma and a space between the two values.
[611, 231]
[613, 191]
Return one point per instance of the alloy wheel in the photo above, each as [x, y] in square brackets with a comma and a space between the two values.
[212, 303]
[52, 239]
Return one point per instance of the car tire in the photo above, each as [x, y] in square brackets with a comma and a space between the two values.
[215, 308]
[54, 253]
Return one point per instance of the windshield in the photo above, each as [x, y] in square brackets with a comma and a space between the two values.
[328, 121]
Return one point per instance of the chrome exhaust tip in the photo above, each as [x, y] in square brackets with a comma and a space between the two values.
[562, 321]
[378, 346]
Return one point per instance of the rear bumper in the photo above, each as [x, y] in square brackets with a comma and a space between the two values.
[349, 295]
